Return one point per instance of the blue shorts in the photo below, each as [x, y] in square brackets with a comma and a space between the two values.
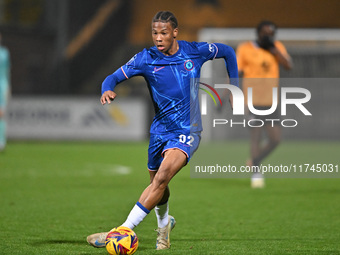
[161, 143]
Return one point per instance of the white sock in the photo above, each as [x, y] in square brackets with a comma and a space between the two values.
[162, 212]
[137, 214]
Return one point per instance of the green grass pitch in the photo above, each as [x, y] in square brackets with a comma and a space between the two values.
[55, 194]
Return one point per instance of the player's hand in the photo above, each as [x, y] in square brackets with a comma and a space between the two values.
[107, 97]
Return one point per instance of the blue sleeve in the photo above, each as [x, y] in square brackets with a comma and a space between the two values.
[207, 51]
[113, 80]
[210, 51]
[228, 53]
[132, 68]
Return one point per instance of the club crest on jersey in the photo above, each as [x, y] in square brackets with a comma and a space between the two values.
[189, 65]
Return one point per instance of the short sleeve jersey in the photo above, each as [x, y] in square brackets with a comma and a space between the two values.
[171, 82]
[258, 63]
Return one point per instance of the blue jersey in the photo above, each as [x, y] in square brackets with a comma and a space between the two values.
[172, 82]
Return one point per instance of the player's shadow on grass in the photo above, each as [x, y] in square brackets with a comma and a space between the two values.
[48, 242]
[243, 239]
[70, 243]
[73, 242]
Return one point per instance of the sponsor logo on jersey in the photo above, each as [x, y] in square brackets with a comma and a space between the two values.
[211, 48]
[157, 69]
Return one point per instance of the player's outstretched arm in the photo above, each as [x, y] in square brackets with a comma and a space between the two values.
[228, 53]
[108, 86]
[107, 97]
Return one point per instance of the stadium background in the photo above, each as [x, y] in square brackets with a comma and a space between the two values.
[54, 193]
[66, 48]
[44, 36]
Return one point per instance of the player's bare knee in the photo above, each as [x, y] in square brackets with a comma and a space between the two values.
[161, 181]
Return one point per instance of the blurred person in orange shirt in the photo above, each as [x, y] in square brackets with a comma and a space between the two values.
[258, 63]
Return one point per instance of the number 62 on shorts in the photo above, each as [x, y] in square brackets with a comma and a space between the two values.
[186, 139]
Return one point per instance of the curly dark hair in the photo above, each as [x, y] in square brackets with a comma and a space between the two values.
[165, 17]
